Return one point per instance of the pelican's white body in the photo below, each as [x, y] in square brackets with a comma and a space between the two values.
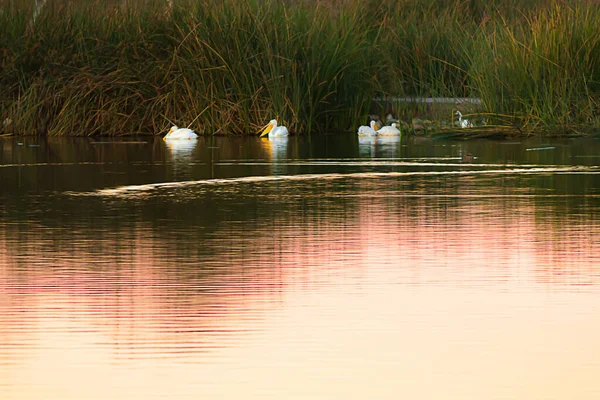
[389, 130]
[275, 131]
[364, 130]
[180, 134]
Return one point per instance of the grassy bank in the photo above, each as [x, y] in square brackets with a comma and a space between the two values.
[228, 66]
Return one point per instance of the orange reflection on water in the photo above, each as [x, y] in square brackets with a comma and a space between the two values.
[383, 297]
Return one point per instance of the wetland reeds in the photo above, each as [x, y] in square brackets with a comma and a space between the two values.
[137, 67]
[545, 71]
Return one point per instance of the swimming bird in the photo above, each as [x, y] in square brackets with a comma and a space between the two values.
[467, 158]
[364, 130]
[389, 130]
[274, 131]
[180, 133]
[463, 123]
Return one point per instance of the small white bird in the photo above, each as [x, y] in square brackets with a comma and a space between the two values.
[274, 131]
[364, 130]
[463, 123]
[180, 133]
[389, 130]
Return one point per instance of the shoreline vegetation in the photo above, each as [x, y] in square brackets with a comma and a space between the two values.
[84, 68]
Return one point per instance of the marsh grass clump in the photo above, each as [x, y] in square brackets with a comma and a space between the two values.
[227, 66]
[545, 70]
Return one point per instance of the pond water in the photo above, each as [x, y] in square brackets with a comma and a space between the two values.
[323, 268]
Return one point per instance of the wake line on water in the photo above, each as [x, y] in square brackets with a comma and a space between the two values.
[133, 190]
[368, 164]
[74, 164]
[59, 164]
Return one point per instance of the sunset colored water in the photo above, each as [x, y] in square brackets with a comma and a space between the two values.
[330, 268]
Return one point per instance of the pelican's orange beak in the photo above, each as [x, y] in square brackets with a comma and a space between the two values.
[268, 129]
[168, 133]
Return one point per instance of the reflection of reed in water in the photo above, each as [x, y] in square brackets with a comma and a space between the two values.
[180, 152]
[277, 148]
[150, 286]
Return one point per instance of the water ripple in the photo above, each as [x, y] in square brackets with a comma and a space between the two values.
[132, 190]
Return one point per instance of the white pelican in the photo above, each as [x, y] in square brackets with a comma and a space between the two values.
[389, 130]
[274, 131]
[364, 130]
[180, 133]
[463, 123]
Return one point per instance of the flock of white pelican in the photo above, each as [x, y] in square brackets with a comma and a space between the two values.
[273, 130]
[374, 130]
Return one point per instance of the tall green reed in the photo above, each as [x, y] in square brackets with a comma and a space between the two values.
[545, 70]
[227, 67]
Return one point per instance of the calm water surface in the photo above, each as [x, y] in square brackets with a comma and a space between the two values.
[331, 268]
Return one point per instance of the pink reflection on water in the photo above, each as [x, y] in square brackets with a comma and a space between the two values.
[383, 297]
